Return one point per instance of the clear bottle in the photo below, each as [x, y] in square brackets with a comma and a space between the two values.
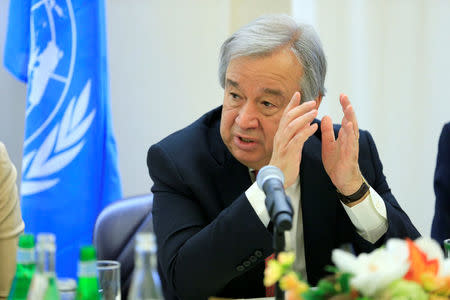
[87, 275]
[26, 263]
[145, 284]
[44, 285]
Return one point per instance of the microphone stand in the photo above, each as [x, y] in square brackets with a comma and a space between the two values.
[279, 243]
[271, 179]
[282, 221]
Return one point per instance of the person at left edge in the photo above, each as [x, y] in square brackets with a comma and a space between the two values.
[210, 221]
[11, 223]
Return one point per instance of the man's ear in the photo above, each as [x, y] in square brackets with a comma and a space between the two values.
[318, 101]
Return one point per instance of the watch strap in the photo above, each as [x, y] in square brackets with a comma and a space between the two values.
[355, 196]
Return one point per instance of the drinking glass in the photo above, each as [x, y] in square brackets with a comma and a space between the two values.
[447, 248]
[109, 279]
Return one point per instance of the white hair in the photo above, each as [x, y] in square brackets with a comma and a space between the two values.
[269, 33]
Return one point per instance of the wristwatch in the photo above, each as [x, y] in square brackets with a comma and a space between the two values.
[355, 196]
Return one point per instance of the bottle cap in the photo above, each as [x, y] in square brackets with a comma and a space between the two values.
[46, 238]
[46, 241]
[88, 253]
[67, 285]
[26, 241]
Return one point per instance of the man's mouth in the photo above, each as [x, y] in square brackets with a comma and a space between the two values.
[245, 143]
[246, 140]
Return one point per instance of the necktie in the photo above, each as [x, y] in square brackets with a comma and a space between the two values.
[270, 290]
[254, 173]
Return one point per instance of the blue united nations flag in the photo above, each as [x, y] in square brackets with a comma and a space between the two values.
[69, 171]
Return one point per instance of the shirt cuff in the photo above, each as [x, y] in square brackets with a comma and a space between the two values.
[256, 197]
[369, 216]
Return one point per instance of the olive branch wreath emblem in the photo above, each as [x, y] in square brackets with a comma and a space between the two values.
[60, 147]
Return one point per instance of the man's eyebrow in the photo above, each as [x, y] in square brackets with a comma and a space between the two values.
[270, 91]
[273, 92]
[232, 83]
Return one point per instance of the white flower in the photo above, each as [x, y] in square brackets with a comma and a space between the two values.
[444, 269]
[376, 270]
[430, 247]
[433, 251]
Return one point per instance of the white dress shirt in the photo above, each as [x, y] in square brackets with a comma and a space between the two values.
[368, 216]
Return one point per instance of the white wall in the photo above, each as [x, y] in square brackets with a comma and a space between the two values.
[163, 71]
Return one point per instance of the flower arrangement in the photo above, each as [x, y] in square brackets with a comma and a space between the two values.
[401, 270]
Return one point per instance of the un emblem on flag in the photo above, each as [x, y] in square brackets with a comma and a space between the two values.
[57, 114]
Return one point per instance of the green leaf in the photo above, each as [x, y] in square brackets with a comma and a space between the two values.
[312, 295]
[326, 287]
[331, 269]
[344, 282]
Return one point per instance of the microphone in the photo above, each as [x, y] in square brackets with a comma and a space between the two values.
[271, 180]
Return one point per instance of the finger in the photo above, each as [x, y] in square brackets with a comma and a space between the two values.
[296, 112]
[298, 124]
[343, 99]
[344, 121]
[294, 102]
[300, 138]
[349, 112]
[349, 131]
[351, 117]
[341, 136]
[327, 130]
[349, 142]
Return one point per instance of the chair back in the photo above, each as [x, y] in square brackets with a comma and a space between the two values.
[115, 231]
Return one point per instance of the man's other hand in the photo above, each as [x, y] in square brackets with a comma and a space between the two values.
[340, 156]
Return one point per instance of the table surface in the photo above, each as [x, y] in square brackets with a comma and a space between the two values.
[267, 298]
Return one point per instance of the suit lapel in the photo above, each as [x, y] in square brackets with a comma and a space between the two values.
[231, 177]
[318, 200]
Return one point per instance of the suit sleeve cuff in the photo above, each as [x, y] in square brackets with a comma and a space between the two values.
[369, 216]
[256, 197]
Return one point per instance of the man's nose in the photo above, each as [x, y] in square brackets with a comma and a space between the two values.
[248, 116]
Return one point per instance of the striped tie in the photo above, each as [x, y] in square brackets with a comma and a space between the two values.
[270, 290]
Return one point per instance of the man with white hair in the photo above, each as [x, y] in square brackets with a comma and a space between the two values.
[212, 227]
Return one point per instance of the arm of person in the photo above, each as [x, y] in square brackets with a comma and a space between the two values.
[369, 216]
[256, 197]
[200, 256]
[11, 224]
[379, 216]
[440, 229]
[350, 159]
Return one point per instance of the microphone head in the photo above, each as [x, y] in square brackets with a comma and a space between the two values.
[269, 172]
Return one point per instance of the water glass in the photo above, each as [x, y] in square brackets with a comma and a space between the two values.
[447, 248]
[109, 279]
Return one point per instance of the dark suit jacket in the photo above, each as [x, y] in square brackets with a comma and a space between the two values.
[440, 229]
[211, 241]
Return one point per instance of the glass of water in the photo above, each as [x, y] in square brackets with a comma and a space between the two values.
[109, 279]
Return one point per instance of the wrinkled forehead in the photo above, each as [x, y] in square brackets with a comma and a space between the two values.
[272, 73]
